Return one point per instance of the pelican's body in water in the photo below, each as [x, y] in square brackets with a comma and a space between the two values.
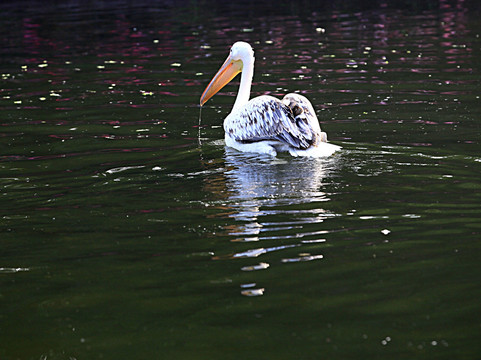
[265, 124]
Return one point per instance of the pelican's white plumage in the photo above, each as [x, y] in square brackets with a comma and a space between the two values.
[266, 124]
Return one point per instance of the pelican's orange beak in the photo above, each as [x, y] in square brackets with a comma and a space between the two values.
[226, 73]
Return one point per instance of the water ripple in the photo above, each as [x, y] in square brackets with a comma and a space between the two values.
[10, 270]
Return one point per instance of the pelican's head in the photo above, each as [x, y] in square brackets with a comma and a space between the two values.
[241, 53]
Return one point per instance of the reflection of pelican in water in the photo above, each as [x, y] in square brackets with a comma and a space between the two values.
[259, 185]
[255, 177]
[265, 124]
[279, 205]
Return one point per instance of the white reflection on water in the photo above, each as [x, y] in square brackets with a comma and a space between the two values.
[9, 270]
[253, 292]
[260, 266]
[261, 180]
[262, 187]
[273, 200]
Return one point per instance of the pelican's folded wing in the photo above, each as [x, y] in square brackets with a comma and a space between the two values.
[267, 118]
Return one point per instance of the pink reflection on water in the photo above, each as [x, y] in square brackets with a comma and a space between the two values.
[369, 47]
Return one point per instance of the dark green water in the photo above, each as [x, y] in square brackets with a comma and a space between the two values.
[122, 237]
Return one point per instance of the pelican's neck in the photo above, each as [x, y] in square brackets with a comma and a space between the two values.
[245, 83]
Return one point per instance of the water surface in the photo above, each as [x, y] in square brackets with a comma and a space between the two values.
[127, 231]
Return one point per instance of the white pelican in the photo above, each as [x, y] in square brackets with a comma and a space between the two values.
[265, 124]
